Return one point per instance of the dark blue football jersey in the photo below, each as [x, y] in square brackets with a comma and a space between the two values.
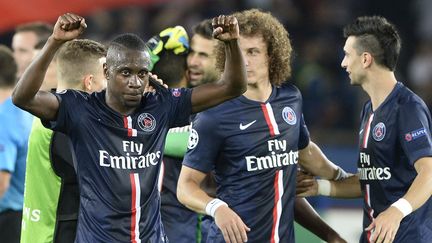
[118, 160]
[392, 139]
[253, 149]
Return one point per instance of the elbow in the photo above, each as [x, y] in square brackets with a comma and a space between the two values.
[17, 100]
[181, 195]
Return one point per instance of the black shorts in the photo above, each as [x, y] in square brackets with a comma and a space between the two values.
[10, 226]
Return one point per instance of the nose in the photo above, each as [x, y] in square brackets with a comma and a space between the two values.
[193, 60]
[134, 82]
[343, 63]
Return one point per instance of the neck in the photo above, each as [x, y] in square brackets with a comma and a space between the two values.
[379, 86]
[5, 93]
[114, 104]
[259, 91]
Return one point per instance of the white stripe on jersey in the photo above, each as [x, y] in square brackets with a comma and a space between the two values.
[367, 128]
[137, 206]
[161, 176]
[272, 119]
[129, 126]
[278, 206]
[368, 203]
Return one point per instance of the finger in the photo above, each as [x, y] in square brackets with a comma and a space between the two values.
[371, 226]
[243, 230]
[217, 32]
[221, 20]
[67, 21]
[233, 233]
[83, 23]
[376, 234]
[225, 235]
[214, 22]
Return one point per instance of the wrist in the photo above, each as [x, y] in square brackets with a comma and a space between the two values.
[403, 206]
[213, 205]
[324, 187]
[341, 174]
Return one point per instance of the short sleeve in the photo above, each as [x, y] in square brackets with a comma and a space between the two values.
[181, 106]
[8, 152]
[303, 141]
[204, 143]
[69, 105]
[415, 131]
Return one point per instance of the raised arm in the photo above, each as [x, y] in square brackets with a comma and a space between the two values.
[234, 80]
[190, 193]
[26, 94]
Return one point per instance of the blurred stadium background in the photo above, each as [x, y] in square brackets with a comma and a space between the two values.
[331, 105]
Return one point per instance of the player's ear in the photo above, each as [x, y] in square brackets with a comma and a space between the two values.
[367, 59]
[105, 70]
[88, 82]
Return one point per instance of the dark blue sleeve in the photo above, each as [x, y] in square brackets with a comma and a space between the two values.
[181, 106]
[415, 131]
[69, 107]
[303, 141]
[204, 143]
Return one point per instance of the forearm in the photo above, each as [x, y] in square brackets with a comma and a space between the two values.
[234, 75]
[31, 80]
[346, 188]
[421, 188]
[4, 182]
[192, 196]
[307, 217]
[313, 160]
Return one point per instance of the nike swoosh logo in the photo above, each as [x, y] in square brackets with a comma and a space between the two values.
[243, 127]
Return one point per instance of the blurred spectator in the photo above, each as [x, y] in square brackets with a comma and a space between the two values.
[25, 40]
[14, 132]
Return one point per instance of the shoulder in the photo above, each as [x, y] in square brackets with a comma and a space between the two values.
[407, 99]
[289, 90]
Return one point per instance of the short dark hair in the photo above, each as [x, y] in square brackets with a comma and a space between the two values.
[8, 67]
[170, 67]
[204, 29]
[41, 29]
[379, 37]
[128, 41]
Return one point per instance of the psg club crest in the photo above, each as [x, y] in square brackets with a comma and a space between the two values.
[193, 139]
[176, 92]
[289, 116]
[146, 122]
[379, 132]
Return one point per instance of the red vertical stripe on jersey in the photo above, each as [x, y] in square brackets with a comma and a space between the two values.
[267, 118]
[277, 208]
[133, 216]
[275, 213]
[370, 210]
[125, 121]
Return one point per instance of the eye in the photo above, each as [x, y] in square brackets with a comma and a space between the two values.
[143, 73]
[125, 72]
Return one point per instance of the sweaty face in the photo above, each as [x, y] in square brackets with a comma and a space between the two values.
[127, 75]
[23, 44]
[352, 62]
[254, 51]
[201, 61]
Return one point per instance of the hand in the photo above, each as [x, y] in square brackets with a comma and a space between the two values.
[225, 28]
[306, 185]
[386, 225]
[68, 27]
[149, 88]
[231, 225]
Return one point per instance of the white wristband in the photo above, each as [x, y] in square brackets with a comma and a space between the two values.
[341, 174]
[324, 187]
[403, 205]
[214, 204]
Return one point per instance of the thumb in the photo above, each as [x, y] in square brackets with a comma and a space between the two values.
[371, 226]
